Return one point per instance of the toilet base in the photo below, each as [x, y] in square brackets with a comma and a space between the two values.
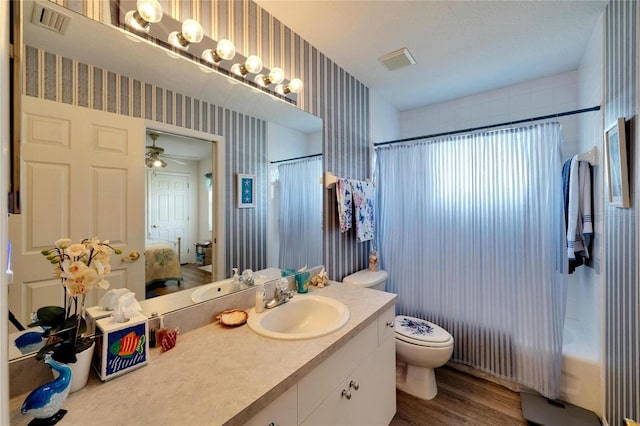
[417, 381]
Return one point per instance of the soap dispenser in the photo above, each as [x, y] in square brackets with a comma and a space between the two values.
[235, 279]
[259, 297]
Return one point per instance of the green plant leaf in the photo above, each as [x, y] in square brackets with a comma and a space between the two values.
[49, 316]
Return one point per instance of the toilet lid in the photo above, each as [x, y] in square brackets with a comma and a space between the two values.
[418, 331]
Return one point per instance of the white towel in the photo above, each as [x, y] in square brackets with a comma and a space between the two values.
[363, 195]
[345, 204]
[579, 219]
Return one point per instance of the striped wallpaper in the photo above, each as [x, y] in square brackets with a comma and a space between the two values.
[622, 277]
[329, 92]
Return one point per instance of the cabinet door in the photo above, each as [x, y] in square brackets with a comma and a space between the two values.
[281, 412]
[334, 410]
[386, 325]
[374, 401]
[366, 397]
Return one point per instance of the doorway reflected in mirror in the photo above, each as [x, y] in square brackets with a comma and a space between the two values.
[179, 224]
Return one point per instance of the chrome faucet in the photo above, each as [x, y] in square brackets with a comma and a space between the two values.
[247, 278]
[280, 296]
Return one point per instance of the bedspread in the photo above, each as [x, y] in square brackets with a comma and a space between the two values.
[161, 264]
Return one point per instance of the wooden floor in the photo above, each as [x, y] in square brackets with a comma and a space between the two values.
[192, 277]
[462, 400]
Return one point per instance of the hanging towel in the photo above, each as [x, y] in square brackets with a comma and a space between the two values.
[579, 219]
[363, 194]
[345, 204]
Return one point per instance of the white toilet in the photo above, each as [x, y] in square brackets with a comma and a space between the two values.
[421, 345]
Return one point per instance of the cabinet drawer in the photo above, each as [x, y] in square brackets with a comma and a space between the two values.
[315, 386]
[386, 322]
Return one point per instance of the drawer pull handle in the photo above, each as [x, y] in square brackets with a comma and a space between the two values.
[346, 393]
[390, 324]
[354, 385]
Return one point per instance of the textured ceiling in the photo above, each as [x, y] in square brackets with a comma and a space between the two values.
[461, 47]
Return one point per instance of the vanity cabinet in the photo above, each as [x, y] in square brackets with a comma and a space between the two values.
[366, 393]
[356, 385]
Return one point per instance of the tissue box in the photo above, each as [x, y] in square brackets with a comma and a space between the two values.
[120, 347]
[93, 314]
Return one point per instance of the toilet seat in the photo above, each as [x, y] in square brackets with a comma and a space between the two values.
[422, 333]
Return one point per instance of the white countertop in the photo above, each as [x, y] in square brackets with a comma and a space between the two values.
[214, 375]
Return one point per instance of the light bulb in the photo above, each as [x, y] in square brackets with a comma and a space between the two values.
[192, 32]
[224, 50]
[261, 80]
[147, 12]
[253, 64]
[150, 10]
[276, 76]
[295, 85]
[237, 69]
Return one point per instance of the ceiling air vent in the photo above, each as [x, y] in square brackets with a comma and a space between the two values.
[397, 59]
[48, 18]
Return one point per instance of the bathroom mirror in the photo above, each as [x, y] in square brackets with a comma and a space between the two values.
[111, 49]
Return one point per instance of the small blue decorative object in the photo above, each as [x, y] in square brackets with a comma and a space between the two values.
[44, 403]
[28, 342]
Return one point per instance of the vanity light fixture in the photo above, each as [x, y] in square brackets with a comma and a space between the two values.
[252, 65]
[294, 86]
[147, 12]
[224, 50]
[192, 32]
[275, 76]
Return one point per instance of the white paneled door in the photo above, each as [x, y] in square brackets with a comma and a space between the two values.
[82, 176]
[168, 210]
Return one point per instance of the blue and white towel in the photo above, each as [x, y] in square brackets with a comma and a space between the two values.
[579, 218]
[363, 195]
[345, 204]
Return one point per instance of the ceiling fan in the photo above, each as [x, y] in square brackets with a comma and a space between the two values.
[153, 153]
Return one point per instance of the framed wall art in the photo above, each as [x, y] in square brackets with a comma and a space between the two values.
[246, 191]
[615, 147]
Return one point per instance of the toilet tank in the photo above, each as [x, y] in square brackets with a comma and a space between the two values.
[366, 278]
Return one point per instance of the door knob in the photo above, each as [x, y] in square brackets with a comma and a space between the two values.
[155, 226]
[133, 256]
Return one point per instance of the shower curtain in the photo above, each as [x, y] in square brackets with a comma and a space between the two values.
[300, 213]
[470, 230]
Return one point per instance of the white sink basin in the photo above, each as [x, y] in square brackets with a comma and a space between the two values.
[302, 317]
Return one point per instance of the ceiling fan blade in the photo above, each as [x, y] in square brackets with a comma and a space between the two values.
[174, 160]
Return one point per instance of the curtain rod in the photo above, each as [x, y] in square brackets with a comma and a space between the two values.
[297, 158]
[473, 129]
